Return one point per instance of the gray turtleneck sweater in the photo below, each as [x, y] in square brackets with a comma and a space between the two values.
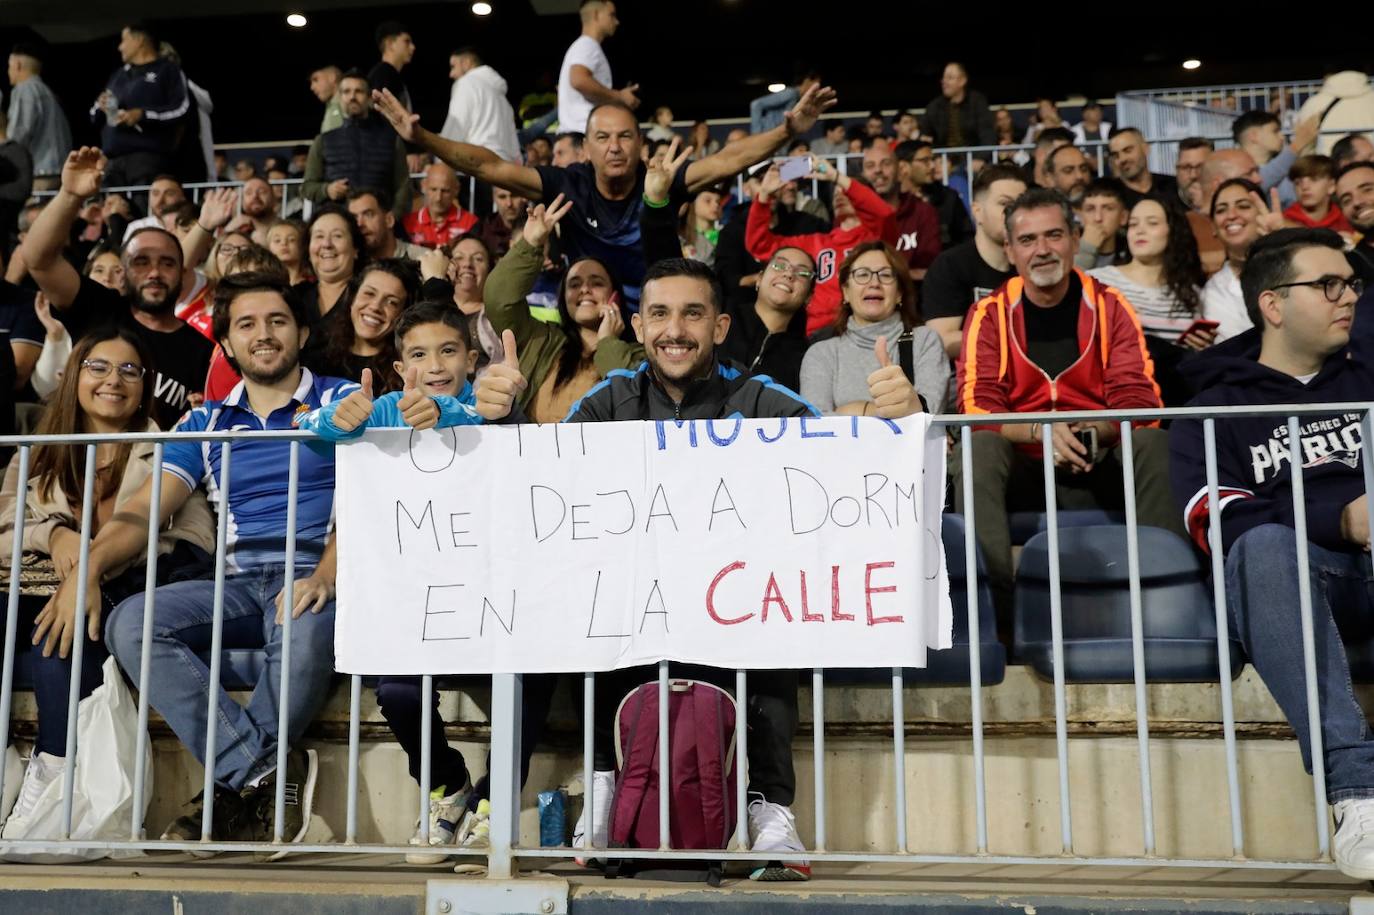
[835, 372]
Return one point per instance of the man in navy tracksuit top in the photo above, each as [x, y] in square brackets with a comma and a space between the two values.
[142, 105]
[1301, 291]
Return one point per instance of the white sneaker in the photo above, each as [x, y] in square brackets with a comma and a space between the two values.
[772, 828]
[445, 813]
[475, 831]
[14, 773]
[43, 770]
[603, 793]
[1354, 842]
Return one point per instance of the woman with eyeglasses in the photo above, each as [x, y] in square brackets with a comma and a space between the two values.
[768, 336]
[563, 361]
[106, 388]
[877, 315]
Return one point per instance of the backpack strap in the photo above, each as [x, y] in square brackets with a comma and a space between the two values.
[906, 356]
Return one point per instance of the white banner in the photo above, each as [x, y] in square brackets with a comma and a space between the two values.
[772, 543]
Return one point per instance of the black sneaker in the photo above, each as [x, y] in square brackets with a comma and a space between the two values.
[230, 820]
[302, 771]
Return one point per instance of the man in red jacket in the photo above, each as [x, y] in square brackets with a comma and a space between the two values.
[1053, 338]
[860, 216]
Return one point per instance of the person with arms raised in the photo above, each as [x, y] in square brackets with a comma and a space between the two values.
[860, 216]
[153, 268]
[607, 190]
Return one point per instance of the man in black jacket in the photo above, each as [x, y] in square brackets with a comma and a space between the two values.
[680, 323]
[364, 152]
[141, 108]
[958, 116]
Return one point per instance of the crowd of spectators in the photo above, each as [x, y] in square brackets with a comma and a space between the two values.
[612, 272]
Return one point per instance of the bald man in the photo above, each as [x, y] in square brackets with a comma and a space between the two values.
[441, 219]
[1222, 165]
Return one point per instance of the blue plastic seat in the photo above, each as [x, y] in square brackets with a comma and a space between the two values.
[1179, 626]
[950, 666]
[1025, 525]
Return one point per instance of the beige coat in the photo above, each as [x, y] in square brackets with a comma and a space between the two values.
[194, 522]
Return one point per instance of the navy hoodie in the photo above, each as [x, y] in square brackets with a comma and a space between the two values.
[1253, 473]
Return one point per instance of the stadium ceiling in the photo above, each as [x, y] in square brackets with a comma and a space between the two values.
[63, 21]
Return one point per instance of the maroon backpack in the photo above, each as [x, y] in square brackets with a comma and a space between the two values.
[701, 746]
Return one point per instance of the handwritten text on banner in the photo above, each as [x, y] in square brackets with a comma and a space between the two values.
[773, 543]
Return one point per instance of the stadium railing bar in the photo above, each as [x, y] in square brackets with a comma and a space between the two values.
[505, 848]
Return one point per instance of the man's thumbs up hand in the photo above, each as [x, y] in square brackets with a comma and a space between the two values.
[354, 409]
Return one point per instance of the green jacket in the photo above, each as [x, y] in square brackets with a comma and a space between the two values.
[540, 344]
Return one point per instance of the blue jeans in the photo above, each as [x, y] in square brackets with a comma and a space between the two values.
[1262, 594]
[245, 736]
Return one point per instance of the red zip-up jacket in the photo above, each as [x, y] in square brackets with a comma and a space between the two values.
[1113, 370]
[827, 249]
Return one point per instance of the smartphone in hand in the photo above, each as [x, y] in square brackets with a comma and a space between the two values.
[795, 167]
[1088, 438]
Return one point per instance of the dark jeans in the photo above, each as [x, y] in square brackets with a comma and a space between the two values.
[1006, 480]
[52, 676]
[1262, 595]
[771, 719]
[402, 703]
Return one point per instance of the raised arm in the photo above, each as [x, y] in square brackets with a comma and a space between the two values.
[215, 212]
[42, 251]
[477, 161]
[581, 79]
[736, 157]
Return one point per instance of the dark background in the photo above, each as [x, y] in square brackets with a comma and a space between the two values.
[705, 58]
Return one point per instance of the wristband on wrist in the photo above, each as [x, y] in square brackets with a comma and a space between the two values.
[655, 205]
[203, 229]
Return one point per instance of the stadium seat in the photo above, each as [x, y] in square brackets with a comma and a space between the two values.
[950, 667]
[1176, 604]
[1025, 525]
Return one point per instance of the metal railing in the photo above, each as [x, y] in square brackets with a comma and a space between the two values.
[505, 848]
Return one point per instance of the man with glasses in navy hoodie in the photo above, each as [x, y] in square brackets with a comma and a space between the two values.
[1300, 291]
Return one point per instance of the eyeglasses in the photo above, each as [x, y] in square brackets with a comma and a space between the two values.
[862, 275]
[1333, 286]
[790, 269]
[99, 368]
[231, 250]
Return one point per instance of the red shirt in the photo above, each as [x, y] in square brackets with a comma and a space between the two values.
[918, 231]
[1334, 219]
[423, 230]
[827, 249]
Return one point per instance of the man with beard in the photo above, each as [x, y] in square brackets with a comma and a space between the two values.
[378, 225]
[1129, 158]
[165, 194]
[361, 153]
[261, 327]
[153, 266]
[1355, 197]
[1052, 338]
[1069, 172]
[682, 324]
[918, 224]
[607, 190]
[258, 209]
